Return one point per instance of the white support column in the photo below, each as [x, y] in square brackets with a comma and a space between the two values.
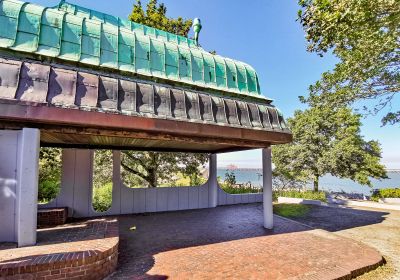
[116, 179]
[27, 186]
[212, 180]
[8, 184]
[267, 188]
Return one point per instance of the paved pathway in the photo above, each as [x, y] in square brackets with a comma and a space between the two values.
[230, 243]
[377, 228]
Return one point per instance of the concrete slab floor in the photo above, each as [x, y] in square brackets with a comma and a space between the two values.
[229, 242]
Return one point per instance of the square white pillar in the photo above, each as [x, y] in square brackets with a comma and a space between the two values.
[212, 182]
[27, 186]
[267, 188]
[8, 183]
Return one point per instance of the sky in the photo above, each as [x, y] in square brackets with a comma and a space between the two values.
[266, 35]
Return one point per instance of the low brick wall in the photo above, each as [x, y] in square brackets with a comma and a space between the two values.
[92, 258]
[52, 216]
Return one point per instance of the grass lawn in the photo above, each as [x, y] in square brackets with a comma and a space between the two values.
[291, 210]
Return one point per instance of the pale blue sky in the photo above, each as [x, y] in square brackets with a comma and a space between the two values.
[266, 35]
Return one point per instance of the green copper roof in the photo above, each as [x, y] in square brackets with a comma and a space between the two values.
[74, 33]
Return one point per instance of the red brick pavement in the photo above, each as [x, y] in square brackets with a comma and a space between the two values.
[82, 250]
[230, 243]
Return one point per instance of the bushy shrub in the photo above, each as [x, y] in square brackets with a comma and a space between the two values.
[48, 190]
[386, 193]
[229, 185]
[102, 197]
[300, 194]
[239, 189]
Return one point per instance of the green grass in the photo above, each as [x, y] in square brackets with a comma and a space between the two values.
[301, 194]
[291, 210]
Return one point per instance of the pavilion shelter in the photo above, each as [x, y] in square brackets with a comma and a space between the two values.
[81, 80]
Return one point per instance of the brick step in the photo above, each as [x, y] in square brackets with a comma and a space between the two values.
[52, 216]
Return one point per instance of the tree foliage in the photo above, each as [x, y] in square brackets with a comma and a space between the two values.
[49, 174]
[285, 179]
[328, 140]
[365, 36]
[49, 164]
[155, 168]
[155, 16]
[102, 168]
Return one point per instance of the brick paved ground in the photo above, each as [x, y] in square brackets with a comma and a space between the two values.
[230, 243]
[80, 250]
[379, 229]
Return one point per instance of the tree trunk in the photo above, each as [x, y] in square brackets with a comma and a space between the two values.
[316, 181]
[152, 178]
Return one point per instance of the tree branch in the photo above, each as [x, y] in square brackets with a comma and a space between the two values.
[135, 159]
[133, 171]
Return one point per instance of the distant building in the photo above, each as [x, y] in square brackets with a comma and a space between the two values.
[231, 167]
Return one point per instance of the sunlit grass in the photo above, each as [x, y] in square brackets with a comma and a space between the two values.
[291, 210]
[307, 194]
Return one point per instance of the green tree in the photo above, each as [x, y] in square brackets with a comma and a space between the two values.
[154, 168]
[230, 178]
[285, 179]
[49, 164]
[327, 140]
[102, 168]
[155, 16]
[365, 36]
[49, 174]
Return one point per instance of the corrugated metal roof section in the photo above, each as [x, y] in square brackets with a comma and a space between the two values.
[68, 88]
[74, 33]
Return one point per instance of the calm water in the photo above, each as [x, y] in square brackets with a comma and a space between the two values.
[328, 182]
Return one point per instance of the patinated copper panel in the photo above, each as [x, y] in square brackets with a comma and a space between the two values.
[127, 96]
[264, 115]
[62, 87]
[145, 98]
[205, 108]
[231, 112]
[218, 109]
[108, 93]
[87, 90]
[273, 116]
[192, 105]
[162, 101]
[243, 114]
[9, 72]
[178, 106]
[33, 83]
[254, 115]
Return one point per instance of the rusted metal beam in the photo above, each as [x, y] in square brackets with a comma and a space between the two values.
[121, 125]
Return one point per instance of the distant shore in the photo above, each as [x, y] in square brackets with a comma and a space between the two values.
[260, 169]
[328, 183]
